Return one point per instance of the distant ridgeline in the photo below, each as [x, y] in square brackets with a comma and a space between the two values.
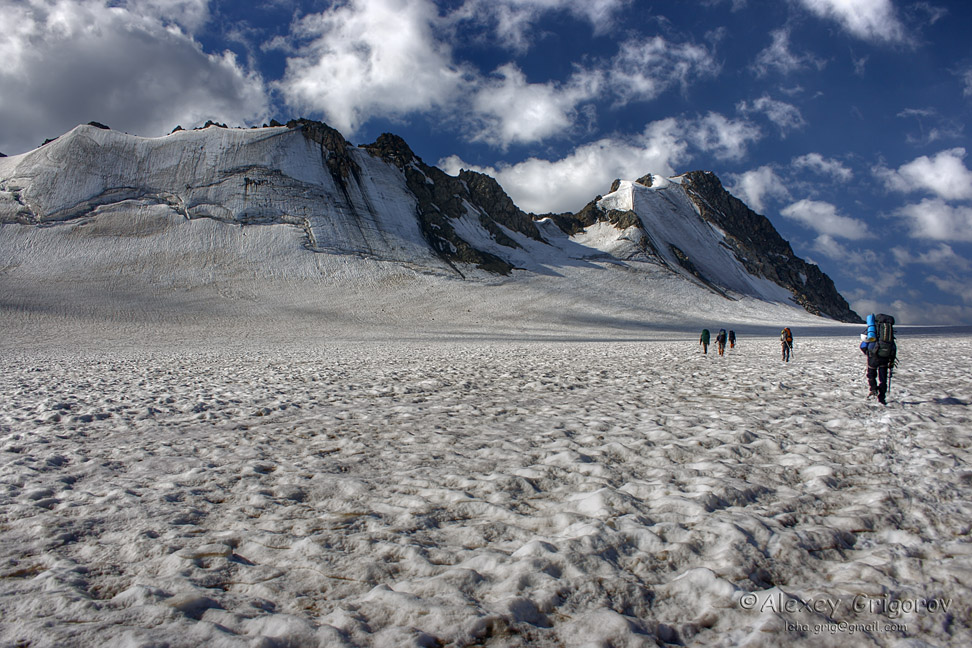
[382, 201]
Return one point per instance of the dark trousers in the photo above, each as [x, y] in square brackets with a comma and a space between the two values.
[877, 379]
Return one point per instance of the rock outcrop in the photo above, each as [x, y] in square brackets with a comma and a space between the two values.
[762, 251]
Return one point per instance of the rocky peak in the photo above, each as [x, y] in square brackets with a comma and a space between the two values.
[392, 148]
[762, 251]
[334, 148]
[487, 194]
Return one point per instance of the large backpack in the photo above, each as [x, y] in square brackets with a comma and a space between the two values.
[786, 336]
[884, 346]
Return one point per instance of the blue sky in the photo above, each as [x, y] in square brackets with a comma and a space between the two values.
[843, 121]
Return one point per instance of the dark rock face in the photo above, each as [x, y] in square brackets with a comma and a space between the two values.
[440, 203]
[487, 194]
[762, 251]
[334, 148]
[571, 224]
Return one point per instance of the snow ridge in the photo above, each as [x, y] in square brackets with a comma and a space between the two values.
[377, 202]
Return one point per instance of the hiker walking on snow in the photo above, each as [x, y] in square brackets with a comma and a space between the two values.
[877, 343]
[732, 339]
[786, 341]
[721, 340]
[704, 341]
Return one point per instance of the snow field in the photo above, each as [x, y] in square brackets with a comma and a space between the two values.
[508, 494]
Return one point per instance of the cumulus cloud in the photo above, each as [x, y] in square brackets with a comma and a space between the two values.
[511, 21]
[370, 58]
[870, 20]
[824, 218]
[954, 286]
[567, 184]
[755, 186]
[858, 263]
[191, 15]
[786, 116]
[62, 60]
[508, 109]
[933, 218]
[831, 248]
[645, 68]
[945, 175]
[824, 166]
[915, 312]
[942, 257]
[778, 57]
[950, 268]
[725, 138]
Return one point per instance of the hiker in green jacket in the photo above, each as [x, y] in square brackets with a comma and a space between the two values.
[704, 341]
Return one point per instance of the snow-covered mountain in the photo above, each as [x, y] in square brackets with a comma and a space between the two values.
[378, 202]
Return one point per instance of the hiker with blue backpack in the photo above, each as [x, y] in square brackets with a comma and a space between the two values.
[877, 343]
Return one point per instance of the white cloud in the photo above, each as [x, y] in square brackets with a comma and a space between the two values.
[870, 20]
[390, 58]
[915, 313]
[779, 57]
[123, 64]
[933, 218]
[754, 186]
[786, 116]
[824, 166]
[945, 175]
[191, 15]
[370, 58]
[831, 248]
[942, 257]
[726, 139]
[512, 21]
[567, 184]
[941, 128]
[967, 82]
[954, 286]
[645, 68]
[510, 110]
[860, 263]
[823, 218]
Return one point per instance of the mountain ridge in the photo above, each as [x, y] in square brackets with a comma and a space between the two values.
[382, 201]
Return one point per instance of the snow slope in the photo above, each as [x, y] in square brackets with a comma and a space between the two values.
[245, 176]
[670, 218]
[225, 209]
